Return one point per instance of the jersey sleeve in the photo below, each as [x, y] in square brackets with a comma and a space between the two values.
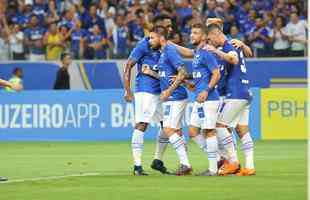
[175, 58]
[138, 52]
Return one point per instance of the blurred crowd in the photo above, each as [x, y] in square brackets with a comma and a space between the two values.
[109, 29]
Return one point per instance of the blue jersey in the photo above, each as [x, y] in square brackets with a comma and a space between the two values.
[237, 80]
[224, 65]
[169, 63]
[143, 54]
[35, 34]
[203, 65]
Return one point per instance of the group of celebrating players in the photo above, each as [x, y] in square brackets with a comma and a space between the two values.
[222, 98]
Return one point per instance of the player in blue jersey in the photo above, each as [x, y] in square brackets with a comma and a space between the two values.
[148, 107]
[235, 110]
[173, 95]
[204, 114]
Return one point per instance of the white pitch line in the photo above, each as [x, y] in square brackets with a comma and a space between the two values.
[50, 178]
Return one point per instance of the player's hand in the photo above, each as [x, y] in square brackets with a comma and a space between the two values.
[128, 96]
[172, 78]
[164, 95]
[202, 96]
[236, 43]
[16, 87]
[146, 69]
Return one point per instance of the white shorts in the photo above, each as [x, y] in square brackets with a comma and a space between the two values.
[204, 115]
[234, 112]
[148, 108]
[173, 113]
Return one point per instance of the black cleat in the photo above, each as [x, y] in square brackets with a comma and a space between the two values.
[183, 170]
[206, 173]
[138, 171]
[159, 166]
[3, 179]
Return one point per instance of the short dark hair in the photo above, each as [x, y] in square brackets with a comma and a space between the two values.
[161, 17]
[64, 55]
[160, 30]
[213, 27]
[16, 70]
[200, 26]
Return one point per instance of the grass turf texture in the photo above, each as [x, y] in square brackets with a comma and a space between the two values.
[281, 173]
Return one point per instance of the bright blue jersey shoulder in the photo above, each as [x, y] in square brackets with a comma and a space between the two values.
[203, 65]
[237, 80]
[143, 54]
[169, 63]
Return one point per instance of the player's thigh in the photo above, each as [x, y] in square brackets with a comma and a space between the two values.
[158, 115]
[145, 107]
[231, 110]
[195, 118]
[173, 113]
[210, 109]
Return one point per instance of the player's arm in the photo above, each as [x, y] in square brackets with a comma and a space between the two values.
[185, 52]
[212, 65]
[136, 54]
[181, 75]
[245, 48]
[127, 79]
[148, 71]
[230, 57]
[5, 83]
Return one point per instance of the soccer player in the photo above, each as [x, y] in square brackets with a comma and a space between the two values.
[204, 115]
[235, 110]
[173, 95]
[146, 84]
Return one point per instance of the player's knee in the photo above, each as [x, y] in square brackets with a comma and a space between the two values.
[171, 131]
[193, 132]
[242, 130]
[210, 132]
[141, 126]
[220, 125]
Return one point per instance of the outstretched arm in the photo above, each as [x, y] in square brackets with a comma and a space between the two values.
[185, 52]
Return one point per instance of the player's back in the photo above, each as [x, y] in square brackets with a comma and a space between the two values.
[237, 79]
[143, 54]
[169, 63]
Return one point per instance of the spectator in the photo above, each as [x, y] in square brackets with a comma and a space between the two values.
[259, 36]
[296, 29]
[54, 43]
[97, 44]
[235, 34]
[212, 11]
[4, 47]
[78, 38]
[280, 38]
[63, 77]
[91, 18]
[16, 79]
[120, 38]
[34, 40]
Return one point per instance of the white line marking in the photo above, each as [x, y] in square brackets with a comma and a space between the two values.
[50, 178]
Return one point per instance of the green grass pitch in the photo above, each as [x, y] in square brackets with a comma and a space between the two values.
[281, 173]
